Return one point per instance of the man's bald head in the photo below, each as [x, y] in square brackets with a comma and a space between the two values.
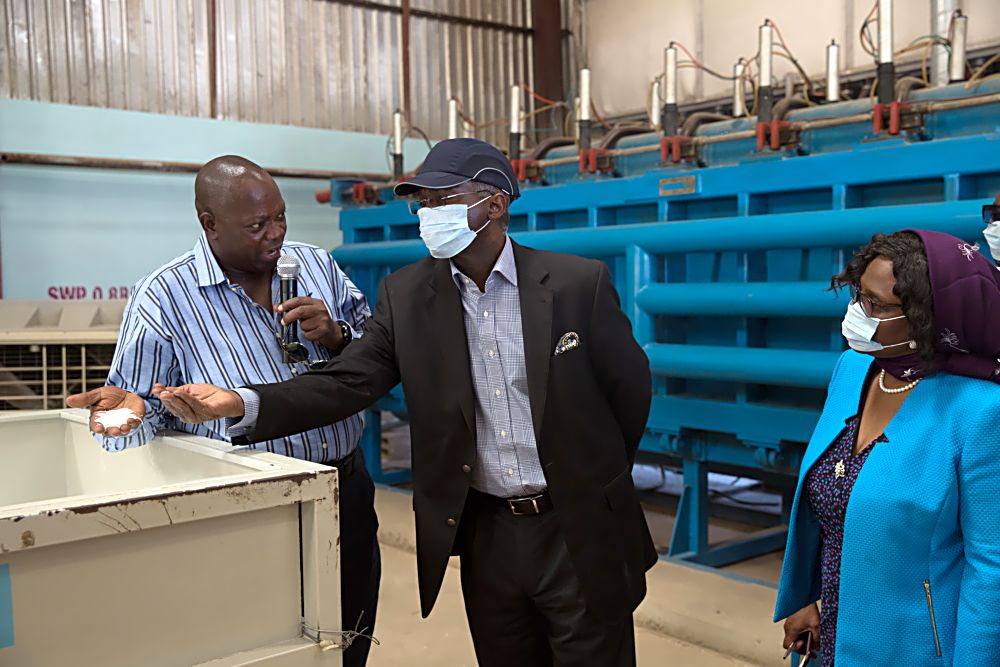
[226, 177]
[242, 213]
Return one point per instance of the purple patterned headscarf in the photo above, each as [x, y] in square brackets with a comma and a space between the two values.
[965, 287]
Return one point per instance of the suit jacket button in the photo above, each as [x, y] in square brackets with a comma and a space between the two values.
[451, 523]
[466, 468]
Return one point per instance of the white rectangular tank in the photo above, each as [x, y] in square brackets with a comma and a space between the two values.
[182, 552]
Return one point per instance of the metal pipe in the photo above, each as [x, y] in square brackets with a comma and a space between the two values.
[885, 51]
[737, 299]
[75, 161]
[739, 100]
[790, 81]
[765, 96]
[514, 150]
[941, 13]
[585, 94]
[405, 56]
[826, 229]
[886, 69]
[454, 120]
[670, 75]
[397, 144]
[833, 71]
[765, 44]
[956, 66]
[653, 110]
[671, 115]
[784, 367]
[584, 109]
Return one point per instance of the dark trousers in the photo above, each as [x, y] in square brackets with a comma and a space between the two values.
[523, 597]
[360, 560]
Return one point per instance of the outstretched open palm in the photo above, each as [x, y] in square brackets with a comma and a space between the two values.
[197, 403]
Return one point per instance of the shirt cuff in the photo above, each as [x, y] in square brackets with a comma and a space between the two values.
[251, 408]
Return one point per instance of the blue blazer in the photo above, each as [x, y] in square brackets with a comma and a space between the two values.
[924, 514]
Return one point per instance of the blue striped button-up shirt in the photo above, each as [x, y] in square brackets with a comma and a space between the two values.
[507, 462]
[187, 323]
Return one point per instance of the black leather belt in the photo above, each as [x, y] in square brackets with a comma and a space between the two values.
[347, 464]
[526, 506]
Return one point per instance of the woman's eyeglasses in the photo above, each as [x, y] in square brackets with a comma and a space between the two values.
[991, 213]
[869, 305]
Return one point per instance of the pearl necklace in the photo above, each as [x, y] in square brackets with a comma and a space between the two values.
[899, 390]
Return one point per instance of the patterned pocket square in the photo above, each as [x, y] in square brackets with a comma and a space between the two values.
[569, 341]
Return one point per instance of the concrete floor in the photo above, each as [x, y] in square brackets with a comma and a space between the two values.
[692, 617]
[442, 640]
[765, 568]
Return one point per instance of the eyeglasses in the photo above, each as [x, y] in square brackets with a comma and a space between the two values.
[869, 305]
[434, 202]
[991, 213]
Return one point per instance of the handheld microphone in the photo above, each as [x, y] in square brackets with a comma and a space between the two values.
[288, 275]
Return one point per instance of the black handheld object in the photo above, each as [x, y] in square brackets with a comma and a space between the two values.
[288, 288]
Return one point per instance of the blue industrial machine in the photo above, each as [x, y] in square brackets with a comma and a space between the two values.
[721, 245]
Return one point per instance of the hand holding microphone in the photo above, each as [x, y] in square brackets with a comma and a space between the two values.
[306, 312]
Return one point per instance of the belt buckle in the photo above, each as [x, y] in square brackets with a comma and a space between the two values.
[512, 504]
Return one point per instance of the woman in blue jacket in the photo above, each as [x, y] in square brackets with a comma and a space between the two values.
[895, 526]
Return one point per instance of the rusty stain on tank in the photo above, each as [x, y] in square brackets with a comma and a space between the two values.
[27, 539]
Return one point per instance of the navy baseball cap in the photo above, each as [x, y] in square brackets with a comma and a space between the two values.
[456, 161]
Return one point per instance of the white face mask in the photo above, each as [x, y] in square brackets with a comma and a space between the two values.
[859, 330]
[992, 235]
[445, 229]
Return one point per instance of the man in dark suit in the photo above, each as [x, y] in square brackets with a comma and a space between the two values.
[527, 397]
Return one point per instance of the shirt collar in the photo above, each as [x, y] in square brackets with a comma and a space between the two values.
[505, 266]
[205, 265]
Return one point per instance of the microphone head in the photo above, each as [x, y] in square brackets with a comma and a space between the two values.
[288, 267]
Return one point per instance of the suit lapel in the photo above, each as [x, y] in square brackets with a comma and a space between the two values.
[536, 327]
[449, 329]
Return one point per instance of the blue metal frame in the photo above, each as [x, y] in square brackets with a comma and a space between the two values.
[722, 271]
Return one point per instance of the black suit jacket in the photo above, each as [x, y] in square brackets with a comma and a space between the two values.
[589, 407]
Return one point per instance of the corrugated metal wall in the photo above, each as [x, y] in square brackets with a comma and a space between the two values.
[318, 63]
[147, 55]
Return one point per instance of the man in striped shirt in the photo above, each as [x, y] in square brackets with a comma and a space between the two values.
[213, 315]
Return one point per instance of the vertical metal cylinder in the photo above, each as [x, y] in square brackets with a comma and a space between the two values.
[765, 46]
[739, 101]
[397, 132]
[884, 31]
[576, 114]
[454, 120]
[956, 66]
[791, 79]
[397, 144]
[584, 109]
[942, 12]
[653, 109]
[585, 94]
[765, 96]
[515, 109]
[886, 70]
[514, 148]
[670, 75]
[833, 71]
[670, 116]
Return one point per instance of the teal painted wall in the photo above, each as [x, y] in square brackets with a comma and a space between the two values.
[66, 227]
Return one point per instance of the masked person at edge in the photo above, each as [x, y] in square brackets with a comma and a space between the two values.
[908, 571]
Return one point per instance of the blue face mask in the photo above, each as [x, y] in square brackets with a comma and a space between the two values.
[445, 229]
